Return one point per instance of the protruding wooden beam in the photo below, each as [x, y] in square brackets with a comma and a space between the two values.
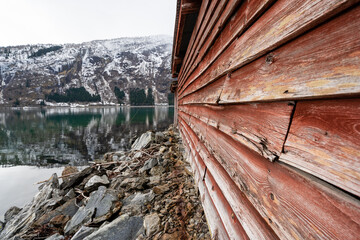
[190, 6]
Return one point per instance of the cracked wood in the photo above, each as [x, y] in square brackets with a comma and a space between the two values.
[324, 141]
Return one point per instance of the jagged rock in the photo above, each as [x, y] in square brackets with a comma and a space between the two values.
[82, 216]
[68, 209]
[56, 236]
[159, 137]
[139, 198]
[77, 178]
[11, 212]
[172, 236]
[154, 181]
[67, 171]
[151, 223]
[59, 221]
[102, 204]
[135, 202]
[32, 211]
[96, 181]
[149, 164]
[143, 141]
[138, 155]
[134, 183]
[122, 228]
[83, 232]
[161, 189]
[158, 170]
[69, 195]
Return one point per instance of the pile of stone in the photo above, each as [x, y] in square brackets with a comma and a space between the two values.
[145, 193]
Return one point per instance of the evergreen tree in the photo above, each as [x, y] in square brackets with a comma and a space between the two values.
[171, 98]
[120, 95]
[74, 95]
[137, 96]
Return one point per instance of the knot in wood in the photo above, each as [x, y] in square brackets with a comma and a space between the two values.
[270, 58]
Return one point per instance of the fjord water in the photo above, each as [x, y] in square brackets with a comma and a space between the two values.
[34, 143]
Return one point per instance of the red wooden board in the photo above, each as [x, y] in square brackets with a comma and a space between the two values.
[284, 21]
[214, 27]
[294, 205]
[243, 17]
[324, 140]
[254, 225]
[261, 127]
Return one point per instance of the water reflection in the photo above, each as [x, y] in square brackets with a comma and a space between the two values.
[73, 135]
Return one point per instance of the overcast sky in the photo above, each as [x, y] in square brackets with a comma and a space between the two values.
[76, 21]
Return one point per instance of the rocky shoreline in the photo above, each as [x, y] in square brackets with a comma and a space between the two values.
[145, 193]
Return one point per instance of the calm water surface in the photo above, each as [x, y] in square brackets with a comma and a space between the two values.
[35, 143]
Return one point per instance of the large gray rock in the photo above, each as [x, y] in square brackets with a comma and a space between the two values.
[143, 141]
[151, 223]
[102, 204]
[56, 236]
[139, 198]
[122, 228]
[83, 232]
[96, 181]
[11, 212]
[149, 164]
[136, 202]
[68, 209]
[32, 211]
[77, 178]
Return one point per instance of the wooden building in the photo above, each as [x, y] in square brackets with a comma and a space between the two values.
[268, 106]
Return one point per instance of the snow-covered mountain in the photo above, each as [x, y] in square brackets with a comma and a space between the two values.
[30, 73]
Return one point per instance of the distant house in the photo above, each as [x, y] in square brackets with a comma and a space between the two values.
[268, 105]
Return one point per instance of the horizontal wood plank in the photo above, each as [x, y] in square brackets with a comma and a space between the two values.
[296, 206]
[216, 22]
[324, 140]
[254, 225]
[204, 29]
[231, 223]
[243, 17]
[322, 63]
[216, 225]
[203, 8]
[261, 127]
[284, 21]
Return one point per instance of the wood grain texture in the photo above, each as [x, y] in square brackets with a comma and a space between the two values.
[260, 127]
[284, 21]
[294, 205]
[323, 62]
[217, 22]
[254, 225]
[231, 223]
[243, 17]
[203, 8]
[211, 15]
[216, 225]
[324, 140]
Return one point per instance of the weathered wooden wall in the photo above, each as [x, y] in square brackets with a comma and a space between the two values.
[269, 111]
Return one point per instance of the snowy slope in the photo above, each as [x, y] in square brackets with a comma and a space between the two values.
[98, 66]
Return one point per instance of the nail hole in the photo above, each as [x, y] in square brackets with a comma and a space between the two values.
[272, 196]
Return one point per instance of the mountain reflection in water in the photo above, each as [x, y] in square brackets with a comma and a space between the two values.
[73, 135]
